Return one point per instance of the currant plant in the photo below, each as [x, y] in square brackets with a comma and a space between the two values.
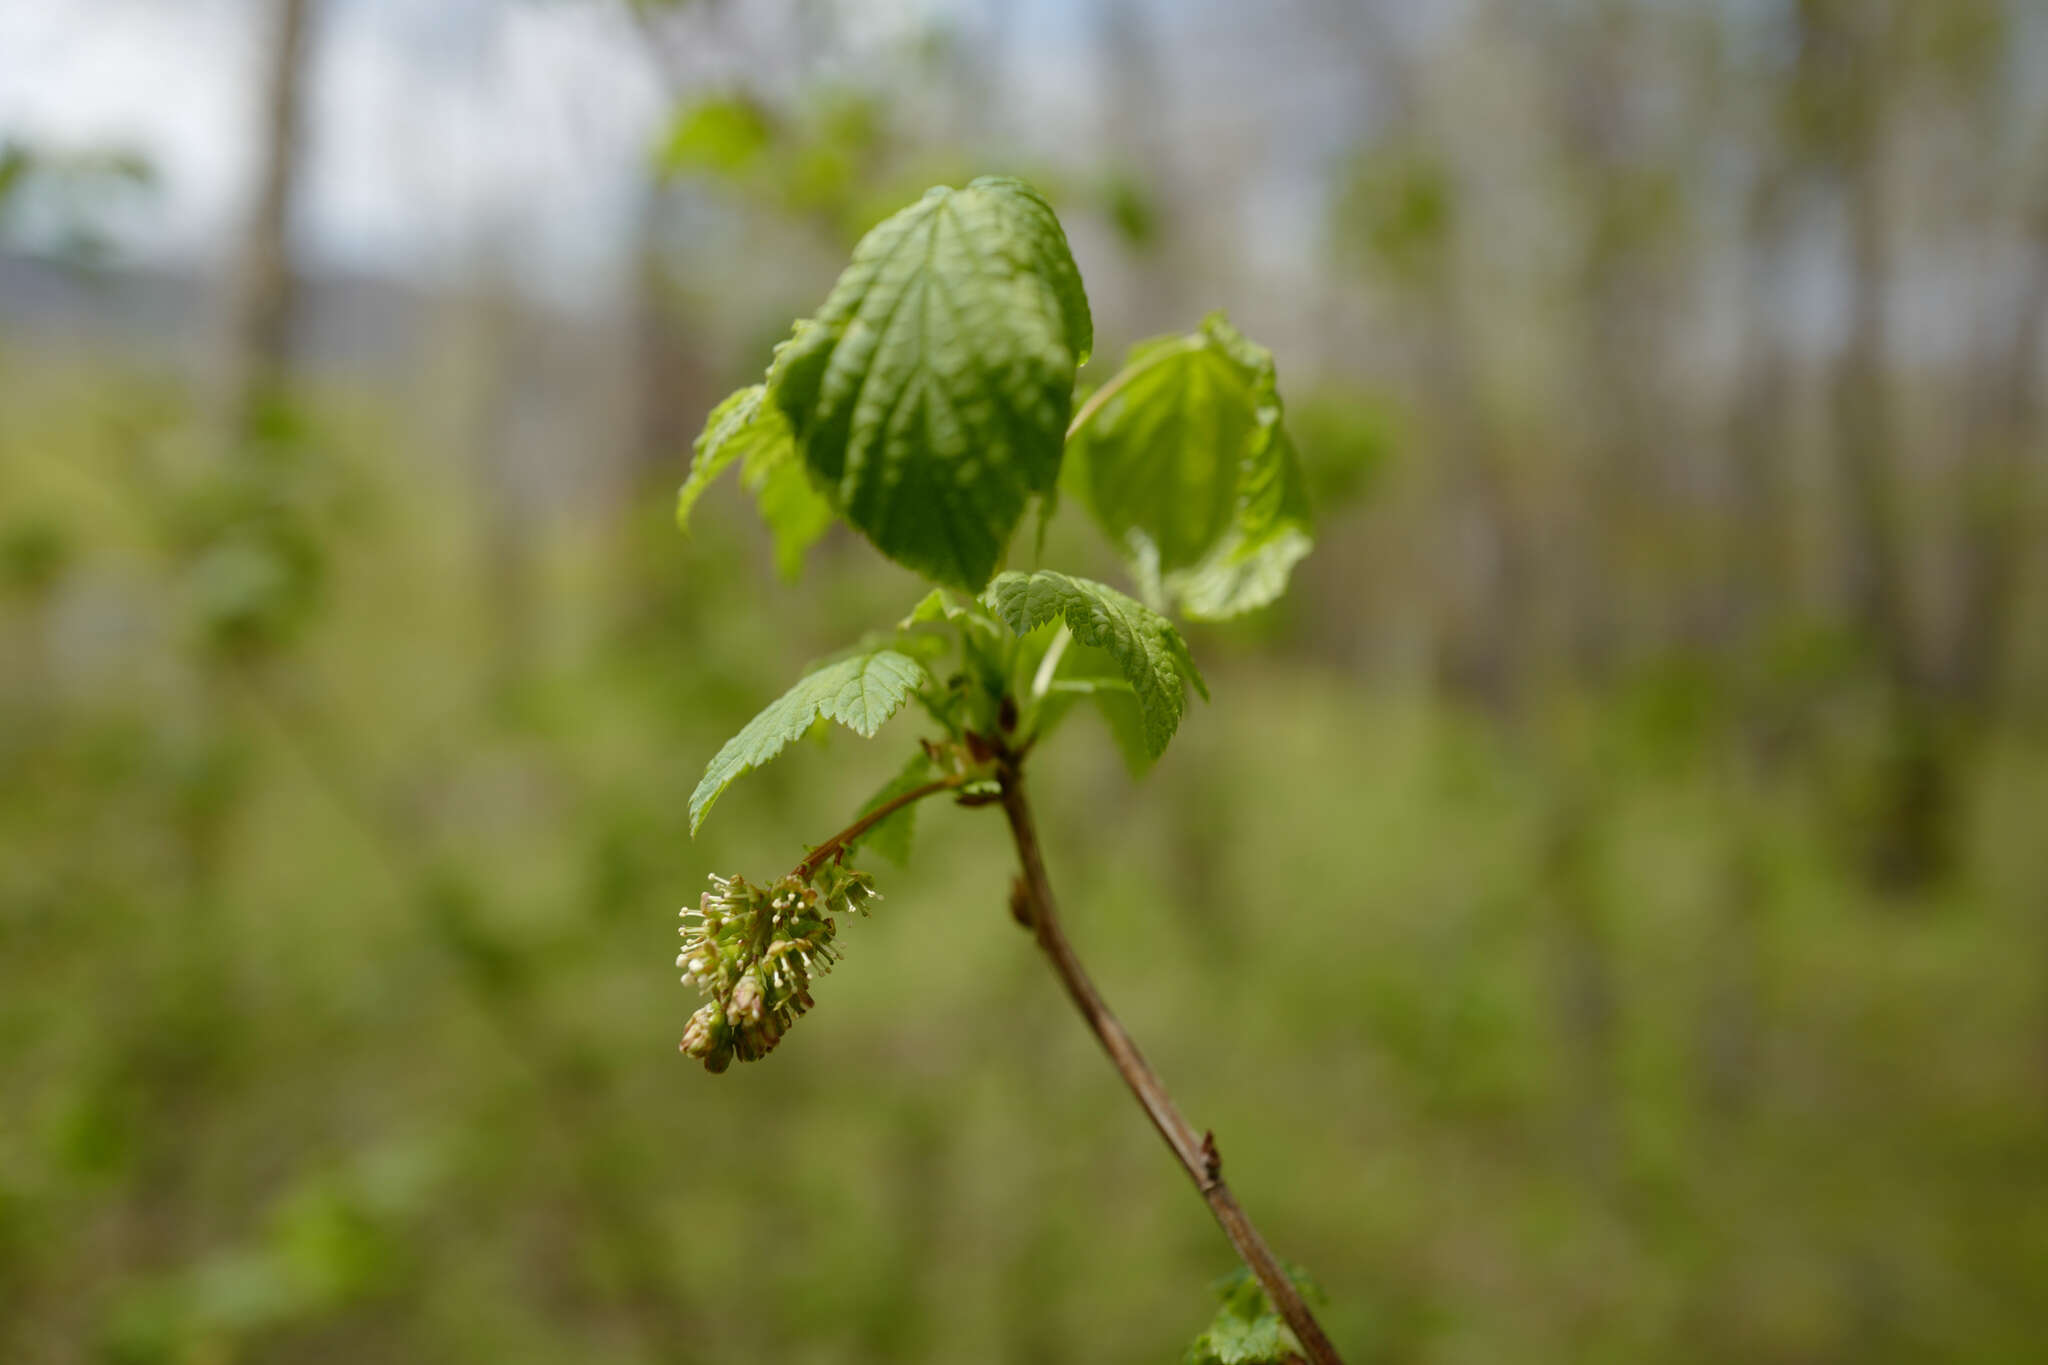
[930, 404]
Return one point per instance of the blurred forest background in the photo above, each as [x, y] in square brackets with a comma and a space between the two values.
[1604, 915]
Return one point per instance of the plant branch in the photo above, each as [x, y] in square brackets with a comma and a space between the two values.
[836, 845]
[1033, 904]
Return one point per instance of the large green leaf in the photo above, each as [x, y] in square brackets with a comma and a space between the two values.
[1147, 649]
[860, 692]
[1184, 462]
[751, 431]
[930, 394]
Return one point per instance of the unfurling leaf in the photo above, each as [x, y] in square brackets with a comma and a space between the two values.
[737, 427]
[891, 837]
[747, 429]
[930, 395]
[1233, 1340]
[1185, 464]
[933, 607]
[794, 513]
[1091, 676]
[1246, 1330]
[860, 692]
[1147, 649]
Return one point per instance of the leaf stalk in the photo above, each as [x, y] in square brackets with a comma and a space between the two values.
[836, 845]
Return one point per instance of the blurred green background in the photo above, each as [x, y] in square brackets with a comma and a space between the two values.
[1603, 915]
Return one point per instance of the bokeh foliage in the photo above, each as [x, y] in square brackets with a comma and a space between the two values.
[338, 1017]
[1540, 917]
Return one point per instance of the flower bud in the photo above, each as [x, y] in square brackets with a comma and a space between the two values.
[708, 1039]
[753, 950]
[746, 1007]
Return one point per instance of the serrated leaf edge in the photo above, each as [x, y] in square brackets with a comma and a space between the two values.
[1073, 600]
[854, 703]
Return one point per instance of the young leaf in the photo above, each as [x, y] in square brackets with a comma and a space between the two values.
[1232, 1340]
[1091, 676]
[930, 394]
[737, 426]
[795, 515]
[860, 692]
[748, 429]
[891, 837]
[933, 607]
[1246, 1330]
[1149, 651]
[1184, 463]
[1249, 566]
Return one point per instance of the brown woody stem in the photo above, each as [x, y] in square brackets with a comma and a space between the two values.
[1196, 1152]
[836, 845]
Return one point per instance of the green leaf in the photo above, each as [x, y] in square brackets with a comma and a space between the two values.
[1183, 461]
[724, 136]
[1241, 575]
[747, 429]
[795, 515]
[1125, 719]
[1147, 649]
[860, 692]
[1092, 677]
[1246, 1330]
[984, 643]
[930, 395]
[933, 607]
[891, 837]
[739, 425]
[1232, 1340]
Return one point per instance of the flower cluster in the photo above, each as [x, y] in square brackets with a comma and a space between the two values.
[753, 950]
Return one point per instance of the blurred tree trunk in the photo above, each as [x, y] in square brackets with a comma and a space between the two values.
[670, 375]
[193, 1019]
[1758, 578]
[1483, 570]
[1759, 567]
[1849, 57]
[1637, 593]
[2004, 435]
[1148, 189]
[1483, 652]
[1614, 511]
[1874, 569]
[264, 306]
